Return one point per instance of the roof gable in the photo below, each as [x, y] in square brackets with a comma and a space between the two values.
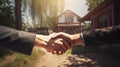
[69, 12]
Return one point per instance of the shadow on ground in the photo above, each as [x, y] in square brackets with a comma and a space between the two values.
[91, 58]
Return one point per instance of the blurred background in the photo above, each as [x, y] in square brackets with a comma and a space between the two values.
[69, 16]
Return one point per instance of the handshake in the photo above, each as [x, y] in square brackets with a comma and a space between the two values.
[58, 43]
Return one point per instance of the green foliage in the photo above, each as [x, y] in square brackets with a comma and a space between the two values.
[22, 60]
[4, 53]
[25, 26]
[7, 17]
[44, 12]
[93, 3]
[87, 26]
[51, 22]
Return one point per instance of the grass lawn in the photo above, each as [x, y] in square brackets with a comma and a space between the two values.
[20, 60]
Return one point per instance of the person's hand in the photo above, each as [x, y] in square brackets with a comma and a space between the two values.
[61, 42]
[42, 40]
[56, 46]
[66, 37]
[74, 39]
[60, 46]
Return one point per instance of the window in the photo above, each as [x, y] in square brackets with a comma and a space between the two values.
[69, 18]
[102, 20]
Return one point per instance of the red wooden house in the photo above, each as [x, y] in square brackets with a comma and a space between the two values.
[104, 15]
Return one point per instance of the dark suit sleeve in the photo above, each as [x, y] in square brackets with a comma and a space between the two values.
[16, 40]
[105, 36]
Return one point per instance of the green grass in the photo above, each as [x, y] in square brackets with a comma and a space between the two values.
[22, 60]
[4, 52]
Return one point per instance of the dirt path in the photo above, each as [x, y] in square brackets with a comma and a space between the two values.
[78, 60]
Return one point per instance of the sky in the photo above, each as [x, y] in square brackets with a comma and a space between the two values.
[77, 6]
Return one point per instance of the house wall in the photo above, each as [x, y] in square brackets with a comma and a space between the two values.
[109, 16]
[61, 18]
[75, 19]
[105, 15]
[103, 18]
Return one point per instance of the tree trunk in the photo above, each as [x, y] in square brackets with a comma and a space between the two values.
[18, 14]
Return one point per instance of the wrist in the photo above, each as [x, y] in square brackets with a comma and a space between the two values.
[37, 41]
[75, 36]
[41, 40]
[76, 39]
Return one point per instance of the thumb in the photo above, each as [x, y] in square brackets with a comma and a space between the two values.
[50, 45]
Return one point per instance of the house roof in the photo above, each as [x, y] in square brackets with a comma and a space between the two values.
[69, 11]
[95, 10]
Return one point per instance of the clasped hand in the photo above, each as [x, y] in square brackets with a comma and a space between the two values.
[56, 43]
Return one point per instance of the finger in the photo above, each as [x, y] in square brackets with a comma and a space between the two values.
[66, 44]
[59, 52]
[50, 44]
[58, 49]
[52, 34]
[59, 45]
[54, 52]
[56, 46]
[55, 35]
[65, 36]
[61, 34]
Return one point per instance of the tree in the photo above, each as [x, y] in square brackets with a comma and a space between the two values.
[7, 14]
[93, 3]
[44, 11]
[7, 17]
[18, 14]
